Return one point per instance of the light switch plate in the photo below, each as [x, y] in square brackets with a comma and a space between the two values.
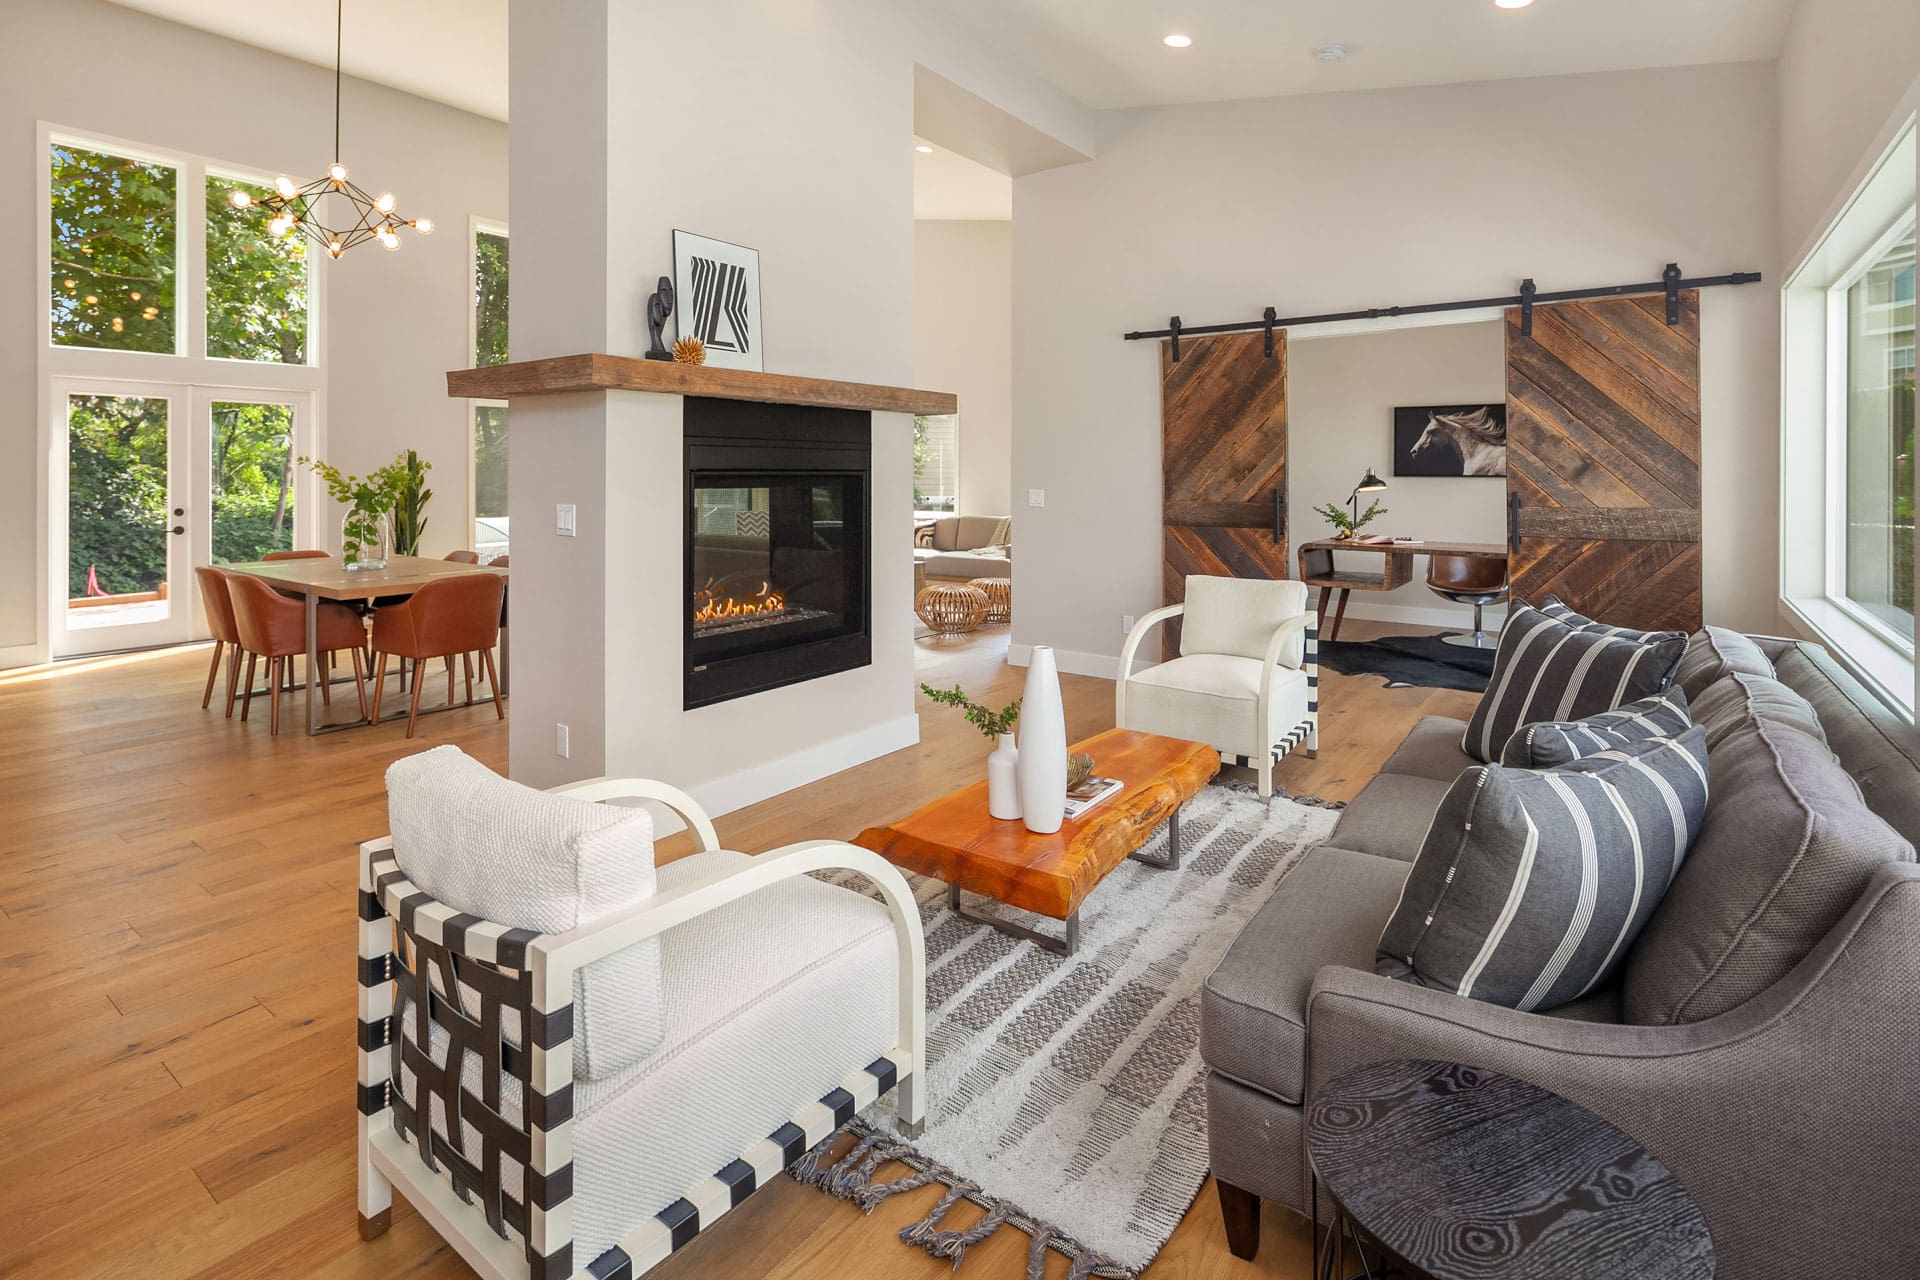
[561, 746]
[563, 519]
[1036, 497]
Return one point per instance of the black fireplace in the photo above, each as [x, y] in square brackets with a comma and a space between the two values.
[778, 577]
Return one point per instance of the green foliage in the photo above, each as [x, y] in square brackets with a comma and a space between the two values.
[252, 480]
[1343, 521]
[256, 284]
[989, 722]
[490, 460]
[489, 300]
[409, 505]
[114, 246]
[368, 501]
[117, 485]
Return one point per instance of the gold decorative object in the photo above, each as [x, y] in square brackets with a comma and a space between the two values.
[689, 351]
[951, 609]
[1079, 769]
[999, 593]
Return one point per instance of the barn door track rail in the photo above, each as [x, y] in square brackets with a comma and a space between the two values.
[1670, 283]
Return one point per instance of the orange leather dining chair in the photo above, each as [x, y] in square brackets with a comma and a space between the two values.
[463, 557]
[274, 627]
[295, 555]
[498, 562]
[226, 632]
[459, 614]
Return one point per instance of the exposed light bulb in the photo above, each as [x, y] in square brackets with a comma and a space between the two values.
[334, 247]
[135, 295]
[284, 185]
[280, 226]
[240, 199]
[337, 171]
[423, 225]
[385, 203]
[391, 241]
[92, 300]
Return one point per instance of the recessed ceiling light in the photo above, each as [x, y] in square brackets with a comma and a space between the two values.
[1330, 52]
[923, 148]
[1512, 4]
[1176, 41]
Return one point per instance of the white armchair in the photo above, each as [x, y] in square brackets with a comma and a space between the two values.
[546, 1123]
[1246, 682]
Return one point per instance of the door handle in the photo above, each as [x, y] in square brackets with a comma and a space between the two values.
[178, 529]
[1279, 516]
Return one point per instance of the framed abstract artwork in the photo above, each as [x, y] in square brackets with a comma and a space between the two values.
[717, 286]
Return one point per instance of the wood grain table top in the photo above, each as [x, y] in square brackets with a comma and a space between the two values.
[330, 579]
[1436, 547]
[956, 840]
[1466, 1174]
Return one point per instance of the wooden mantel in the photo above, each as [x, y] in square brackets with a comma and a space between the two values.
[560, 374]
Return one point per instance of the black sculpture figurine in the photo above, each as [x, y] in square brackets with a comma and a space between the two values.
[659, 307]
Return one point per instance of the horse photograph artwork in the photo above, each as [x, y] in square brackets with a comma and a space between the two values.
[1450, 440]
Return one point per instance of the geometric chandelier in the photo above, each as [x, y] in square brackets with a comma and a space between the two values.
[291, 206]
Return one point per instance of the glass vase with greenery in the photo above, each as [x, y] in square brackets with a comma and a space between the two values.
[364, 531]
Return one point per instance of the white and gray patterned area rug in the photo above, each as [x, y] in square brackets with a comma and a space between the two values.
[1066, 1095]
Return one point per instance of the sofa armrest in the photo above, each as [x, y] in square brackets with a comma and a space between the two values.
[1796, 1107]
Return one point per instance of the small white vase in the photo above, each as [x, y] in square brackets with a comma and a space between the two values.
[1003, 787]
[1042, 766]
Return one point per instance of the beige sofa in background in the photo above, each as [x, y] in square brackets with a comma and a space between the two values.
[958, 548]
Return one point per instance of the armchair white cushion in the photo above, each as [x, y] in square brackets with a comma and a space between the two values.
[528, 859]
[1246, 682]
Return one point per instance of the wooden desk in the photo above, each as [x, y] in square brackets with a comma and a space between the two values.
[326, 578]
[1317, 568]
[955, 839]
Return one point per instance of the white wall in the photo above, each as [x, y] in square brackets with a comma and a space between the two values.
[395, 322]
[1847, 69]
[963, 342]
[1337, 201]
[1341, 394]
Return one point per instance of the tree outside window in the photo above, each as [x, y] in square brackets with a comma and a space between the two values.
[115, 243]
[256, 284]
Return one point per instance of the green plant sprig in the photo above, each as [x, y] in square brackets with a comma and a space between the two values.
[1340, 519]
[987, 721]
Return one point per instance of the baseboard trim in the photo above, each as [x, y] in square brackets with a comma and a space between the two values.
[22, 655]
[750, 786]
[1103, 666]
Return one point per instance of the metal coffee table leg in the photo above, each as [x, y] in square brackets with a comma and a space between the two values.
[1172, 861]
[1059, 946]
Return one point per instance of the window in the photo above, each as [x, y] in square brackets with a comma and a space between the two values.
[252, 485]
[256, 284]
[936, 463]
[489, 416]
[1875, 557]
[115, 249]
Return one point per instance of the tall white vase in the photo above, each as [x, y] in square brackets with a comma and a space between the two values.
[1003, 783]
[1043, 745]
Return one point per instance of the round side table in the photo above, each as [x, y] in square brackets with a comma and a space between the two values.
[1450, 1172]
[952, 609]
[999, 593]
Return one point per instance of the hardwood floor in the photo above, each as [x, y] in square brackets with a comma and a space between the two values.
[177, 936]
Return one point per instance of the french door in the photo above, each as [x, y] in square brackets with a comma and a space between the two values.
[148, 480]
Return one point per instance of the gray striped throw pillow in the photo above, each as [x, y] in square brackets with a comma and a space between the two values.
[1552, 743]
[1532, 885]
[1548, 670]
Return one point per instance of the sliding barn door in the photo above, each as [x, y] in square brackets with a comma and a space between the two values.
[1223, 421]
[1603, 459]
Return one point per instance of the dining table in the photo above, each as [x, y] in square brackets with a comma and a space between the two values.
[320, 578]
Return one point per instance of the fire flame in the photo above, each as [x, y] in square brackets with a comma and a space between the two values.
[714, 603]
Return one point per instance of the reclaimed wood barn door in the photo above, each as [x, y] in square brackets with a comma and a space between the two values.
[1223, 448]
[1603, 459]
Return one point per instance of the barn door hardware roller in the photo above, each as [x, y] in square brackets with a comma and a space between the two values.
[1670, 283]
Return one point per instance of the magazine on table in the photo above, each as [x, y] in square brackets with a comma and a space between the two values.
[1090, 793]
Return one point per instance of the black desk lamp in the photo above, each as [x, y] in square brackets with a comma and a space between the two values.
[1371, 483]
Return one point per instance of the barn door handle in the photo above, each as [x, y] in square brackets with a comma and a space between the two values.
[1513, 524]
[1279, 516]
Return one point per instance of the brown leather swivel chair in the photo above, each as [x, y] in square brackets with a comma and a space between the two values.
[1475, 580]
[446, 616]
[274, 627]
[226, 632]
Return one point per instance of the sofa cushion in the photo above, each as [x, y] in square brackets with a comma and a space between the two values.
[1545, 669]
[1787, 847]
[1532, 885]
[1391, 815]
[1736, 698]
[1253, 1009]
[1238, 616]
[1879, 750]
[1213, 698]
[1431, 750]
[1552, 743]
[967, 564]
[1715, 652]
[523, 858]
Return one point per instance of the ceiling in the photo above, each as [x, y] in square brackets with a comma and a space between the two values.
[1110, 54]
[948, 186]
[451, 51]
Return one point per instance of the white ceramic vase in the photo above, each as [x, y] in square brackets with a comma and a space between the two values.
[1042, 767]
[1003, 784]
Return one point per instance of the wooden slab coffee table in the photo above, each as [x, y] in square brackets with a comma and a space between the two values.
[954, 839]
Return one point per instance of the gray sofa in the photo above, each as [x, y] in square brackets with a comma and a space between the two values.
[1786, 1098]
[960, 548]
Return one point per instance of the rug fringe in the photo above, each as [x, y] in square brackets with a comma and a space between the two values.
[851, 1179]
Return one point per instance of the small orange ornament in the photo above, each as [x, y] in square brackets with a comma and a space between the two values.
[690, 351]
